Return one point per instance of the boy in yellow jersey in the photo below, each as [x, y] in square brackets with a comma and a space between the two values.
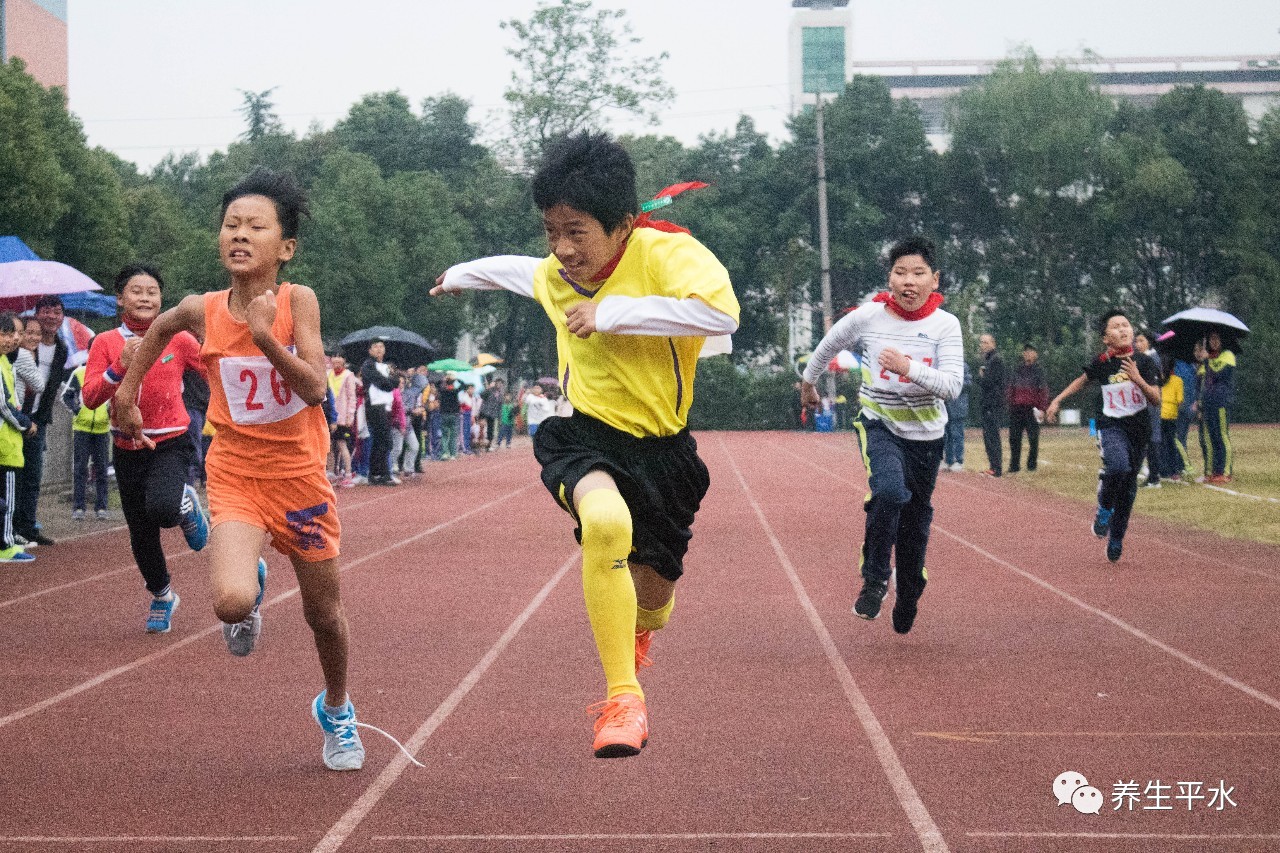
[633, 302]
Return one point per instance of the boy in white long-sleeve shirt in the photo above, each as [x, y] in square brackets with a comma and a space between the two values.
[632, 306]
[912, 362]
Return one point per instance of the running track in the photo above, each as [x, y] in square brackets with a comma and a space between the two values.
[780, 722]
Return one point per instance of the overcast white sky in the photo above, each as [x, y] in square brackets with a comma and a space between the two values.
[150, 76]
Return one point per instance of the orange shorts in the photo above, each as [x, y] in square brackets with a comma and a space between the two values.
[300, 514]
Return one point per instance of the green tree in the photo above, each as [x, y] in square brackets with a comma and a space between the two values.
[1022, 175]
[33, 183]
[383, 127]
[574, 67]
[259, 113]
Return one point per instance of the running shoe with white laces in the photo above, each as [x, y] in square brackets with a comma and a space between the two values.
[160, 616]
[342, 747]
[195, 527]
[242, 636]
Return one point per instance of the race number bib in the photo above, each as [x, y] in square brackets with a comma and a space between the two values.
[256, 393]
[887, 380]
[1122, 399]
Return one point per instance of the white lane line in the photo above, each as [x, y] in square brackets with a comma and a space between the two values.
[637, 836]
[186, 641]
[1213, 560]
[347, 824]
[926, 830]
[355, 505]
[1132, 630]
[145, 839]
[1135, 836]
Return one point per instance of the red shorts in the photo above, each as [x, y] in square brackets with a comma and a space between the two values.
[300, 514]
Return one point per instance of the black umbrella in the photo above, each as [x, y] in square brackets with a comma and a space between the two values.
[1194, 325]
[404, 348]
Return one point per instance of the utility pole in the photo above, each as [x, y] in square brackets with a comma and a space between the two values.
[824, 238]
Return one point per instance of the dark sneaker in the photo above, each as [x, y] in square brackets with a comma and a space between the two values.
[1114, 547]
[904, 614]
[868, 604]
[1102, 522]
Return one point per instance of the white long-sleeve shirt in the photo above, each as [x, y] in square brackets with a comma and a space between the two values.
[616, 315]
[911, 406]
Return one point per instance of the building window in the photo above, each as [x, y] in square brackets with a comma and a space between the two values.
[822, 59]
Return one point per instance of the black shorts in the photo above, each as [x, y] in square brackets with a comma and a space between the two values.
[662, 480]
[343, 434]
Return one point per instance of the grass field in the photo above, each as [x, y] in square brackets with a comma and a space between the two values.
[1069, 467]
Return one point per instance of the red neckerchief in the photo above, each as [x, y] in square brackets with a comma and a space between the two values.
[646, 220]
[930, 305]
[133, 329]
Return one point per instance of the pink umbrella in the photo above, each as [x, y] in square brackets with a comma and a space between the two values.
[23, 282]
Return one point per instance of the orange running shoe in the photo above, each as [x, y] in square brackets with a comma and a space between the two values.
[643, 640]
[622, 726]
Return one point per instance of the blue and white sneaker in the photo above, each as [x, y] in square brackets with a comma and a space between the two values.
[195, 527]
[342, 747]
[160, 615]
[242, 636]
[1102, 522]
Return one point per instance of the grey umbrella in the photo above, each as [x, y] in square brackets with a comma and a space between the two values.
[404, 348]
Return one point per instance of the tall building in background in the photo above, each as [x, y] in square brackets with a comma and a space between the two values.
[821, 41]
[35, 31]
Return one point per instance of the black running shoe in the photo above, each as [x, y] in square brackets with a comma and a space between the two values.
[904, 614]
[868, 604]
[1114, 547]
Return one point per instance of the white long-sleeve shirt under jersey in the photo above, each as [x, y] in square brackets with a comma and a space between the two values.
[911, 406]
[615, 315]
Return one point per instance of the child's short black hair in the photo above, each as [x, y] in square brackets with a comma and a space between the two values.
[1106, 318]
[288, 196]
[914, 245]
[7, 319]
[589, 172]
[128, 271]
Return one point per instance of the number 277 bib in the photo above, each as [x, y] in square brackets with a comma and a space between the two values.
[256, 392]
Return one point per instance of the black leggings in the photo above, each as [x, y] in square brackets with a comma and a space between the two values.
[151, 484]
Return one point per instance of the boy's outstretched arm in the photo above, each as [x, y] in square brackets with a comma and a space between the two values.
[1051, 414]
[665, 316]
[501, 272]
[186, 316]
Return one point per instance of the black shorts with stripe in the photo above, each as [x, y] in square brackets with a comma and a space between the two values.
[662, 479]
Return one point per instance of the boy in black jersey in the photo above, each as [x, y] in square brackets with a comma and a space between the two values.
[1129, 381]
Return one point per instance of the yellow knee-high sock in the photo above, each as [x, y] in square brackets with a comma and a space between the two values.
[654, 620]
[607, 586]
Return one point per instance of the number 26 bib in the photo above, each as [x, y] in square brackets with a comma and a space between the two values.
[256, 393]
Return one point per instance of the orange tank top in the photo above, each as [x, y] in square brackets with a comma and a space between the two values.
[264, 429]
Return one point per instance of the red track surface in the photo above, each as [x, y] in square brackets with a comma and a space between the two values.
[780, 722]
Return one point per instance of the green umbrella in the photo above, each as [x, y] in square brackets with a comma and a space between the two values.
[446, 364]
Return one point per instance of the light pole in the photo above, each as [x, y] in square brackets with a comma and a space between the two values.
[824, 237]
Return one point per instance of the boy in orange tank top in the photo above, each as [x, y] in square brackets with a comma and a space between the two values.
[261, 345]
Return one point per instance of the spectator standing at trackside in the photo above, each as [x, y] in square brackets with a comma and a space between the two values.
[1186, 371]
[343, 384]
[991, 382]
[1129, 382]
[27, 378]
[537, 408]
[434, 437]
[507, 425]
[378, 382]
[1173, 455]
[1217, 394]
[953, 433]
[195, 397]
[1155, 447]
[1028, 398]
[450, 415]
[13, 424]
[466, 396]
[51, 357]
[90, 442]
[415, 399]
[491, 411]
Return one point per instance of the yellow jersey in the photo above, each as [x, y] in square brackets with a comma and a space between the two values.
[640, 384]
